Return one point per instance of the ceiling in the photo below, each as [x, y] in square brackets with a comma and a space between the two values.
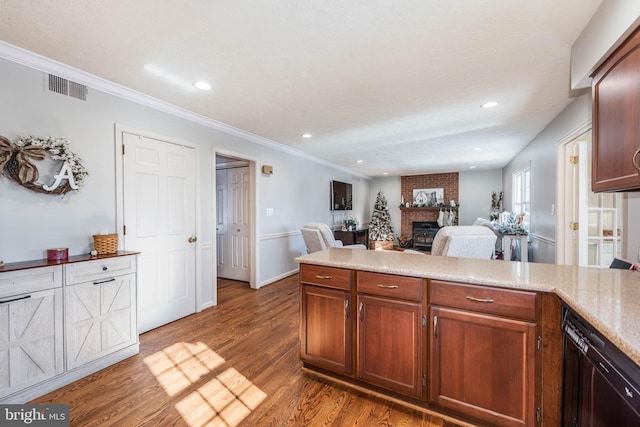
[397, 85]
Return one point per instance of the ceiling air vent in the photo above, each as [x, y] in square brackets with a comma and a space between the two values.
[67, 87]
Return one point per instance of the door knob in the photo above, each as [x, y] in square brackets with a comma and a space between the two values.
[192, 239]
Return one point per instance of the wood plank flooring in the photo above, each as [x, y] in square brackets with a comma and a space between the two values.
[236, 364]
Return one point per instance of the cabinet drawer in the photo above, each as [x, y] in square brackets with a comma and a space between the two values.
[389, 285]
[32, 280]
[484, 299]
[330, 277]
[100, 268]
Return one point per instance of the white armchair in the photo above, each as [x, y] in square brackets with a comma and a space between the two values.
[465, 241]
[318, 236]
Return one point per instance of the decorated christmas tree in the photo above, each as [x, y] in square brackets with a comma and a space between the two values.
[380, 226]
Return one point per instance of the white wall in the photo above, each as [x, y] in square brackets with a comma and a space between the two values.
[298, 190]
[474, 189]
[610, 25]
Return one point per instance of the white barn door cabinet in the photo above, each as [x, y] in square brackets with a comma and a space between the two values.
[59, 323]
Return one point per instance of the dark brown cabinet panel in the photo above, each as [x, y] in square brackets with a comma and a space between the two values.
[616, 120]
[485, 299]
[328, 277]
[325, 328]
[390, 344]
[483, 366]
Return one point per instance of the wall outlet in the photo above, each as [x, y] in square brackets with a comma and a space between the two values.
[269, 211]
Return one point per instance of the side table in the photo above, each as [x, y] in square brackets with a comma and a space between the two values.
[522, 240]
[359, 236]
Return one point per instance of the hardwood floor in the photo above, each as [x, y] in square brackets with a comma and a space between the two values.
[236, 364]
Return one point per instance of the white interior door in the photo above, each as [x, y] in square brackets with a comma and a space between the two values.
[233, 245]
[222, 251]
[159, 215]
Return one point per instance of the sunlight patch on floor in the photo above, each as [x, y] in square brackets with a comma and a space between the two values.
[182, 364]
[223, 401]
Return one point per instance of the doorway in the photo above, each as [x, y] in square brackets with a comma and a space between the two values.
[589, 225]
[158, 210]
[234, 214]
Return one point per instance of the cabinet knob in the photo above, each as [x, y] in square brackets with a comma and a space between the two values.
[104, 268]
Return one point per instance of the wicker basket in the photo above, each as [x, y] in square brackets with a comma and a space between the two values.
[105, 243]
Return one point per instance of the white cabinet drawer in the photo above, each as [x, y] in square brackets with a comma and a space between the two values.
[100, 268]
[30, 280]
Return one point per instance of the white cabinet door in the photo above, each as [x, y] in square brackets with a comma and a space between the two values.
[100, 318]
[31, 348]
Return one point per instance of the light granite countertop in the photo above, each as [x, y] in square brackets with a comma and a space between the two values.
[608, 298]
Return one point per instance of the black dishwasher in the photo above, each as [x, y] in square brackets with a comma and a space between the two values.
[600, 384]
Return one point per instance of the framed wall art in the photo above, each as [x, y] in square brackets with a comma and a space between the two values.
[428, 196]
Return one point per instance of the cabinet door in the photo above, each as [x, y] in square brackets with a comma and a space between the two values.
[616, 129]
[390, 344]
[483, 366]
[325, 328]
[100, 318]
[30, 339]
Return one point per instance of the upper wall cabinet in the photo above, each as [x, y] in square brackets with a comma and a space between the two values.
[616, 120]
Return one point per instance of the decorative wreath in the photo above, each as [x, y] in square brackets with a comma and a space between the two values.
[16, 160]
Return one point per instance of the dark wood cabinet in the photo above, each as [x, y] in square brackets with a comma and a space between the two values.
[390, 332]
[325, 321]
[616, 120]
[467, 350]
[390, 344]
[483, 364]
[325, 328]
[353, 237]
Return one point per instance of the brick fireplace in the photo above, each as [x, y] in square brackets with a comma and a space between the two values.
[447, 181]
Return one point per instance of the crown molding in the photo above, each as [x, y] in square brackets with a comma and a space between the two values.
[39, 62]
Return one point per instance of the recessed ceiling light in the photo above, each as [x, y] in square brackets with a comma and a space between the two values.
[385, 173]
[489, 104]
[202, 85]
[477, 149]
[472, 167]
[359, 161]
[306, 135]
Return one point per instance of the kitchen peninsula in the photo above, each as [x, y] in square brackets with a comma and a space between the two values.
[479, 340]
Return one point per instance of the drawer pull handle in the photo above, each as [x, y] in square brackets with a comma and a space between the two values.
[346, 308]
[104, 281]
[633, 160]
[15, 299]
[105, 268]
[324, 276]
[360, 310]
[382, 285]
[488, 300]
